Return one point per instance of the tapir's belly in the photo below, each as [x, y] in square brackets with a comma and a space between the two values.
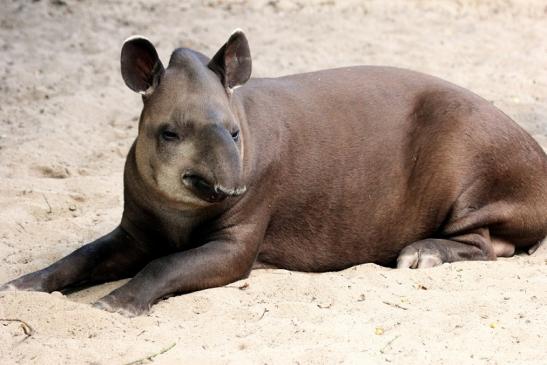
[323, 238]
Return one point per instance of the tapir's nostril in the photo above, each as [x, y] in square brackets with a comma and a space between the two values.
[191, 179]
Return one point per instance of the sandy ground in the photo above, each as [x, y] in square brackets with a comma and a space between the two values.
[67, 121]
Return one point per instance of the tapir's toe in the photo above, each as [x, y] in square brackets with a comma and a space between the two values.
[31, 282]
[8, 287]
[112, 304]
[412, 257]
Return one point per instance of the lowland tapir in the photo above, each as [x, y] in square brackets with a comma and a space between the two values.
[310, 172]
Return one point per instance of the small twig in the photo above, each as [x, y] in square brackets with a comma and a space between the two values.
[150, 358]
[383, 349]
[243, 286]
[49, 206]
[266, 310]
[20, 225]
[27, 329]
[396, 305]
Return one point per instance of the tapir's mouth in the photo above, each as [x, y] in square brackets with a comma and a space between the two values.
[209, 191]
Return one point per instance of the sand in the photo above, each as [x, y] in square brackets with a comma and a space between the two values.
[67, 121]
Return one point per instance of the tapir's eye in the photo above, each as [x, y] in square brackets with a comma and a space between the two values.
[169, 136]
[235, 135]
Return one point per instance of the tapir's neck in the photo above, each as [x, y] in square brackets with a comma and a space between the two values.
[262, 125]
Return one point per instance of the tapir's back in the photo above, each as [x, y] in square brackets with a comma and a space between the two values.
[369, 159]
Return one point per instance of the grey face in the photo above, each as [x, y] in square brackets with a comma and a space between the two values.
[189, 147]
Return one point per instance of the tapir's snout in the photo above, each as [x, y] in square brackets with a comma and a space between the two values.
[207, 190]
[218, 175]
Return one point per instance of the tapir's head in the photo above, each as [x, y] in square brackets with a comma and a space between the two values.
[189, 147]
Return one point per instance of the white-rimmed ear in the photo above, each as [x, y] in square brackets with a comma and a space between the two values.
[140, 65]
[232, 63]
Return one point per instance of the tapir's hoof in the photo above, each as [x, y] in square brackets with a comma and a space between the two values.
[8, 287]
[417, 256]
[111, 303]
[30, 282]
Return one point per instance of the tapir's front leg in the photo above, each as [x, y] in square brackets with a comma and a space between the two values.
[114, 256]
[214, 264]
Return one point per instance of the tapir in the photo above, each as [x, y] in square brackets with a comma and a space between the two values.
[311, 172]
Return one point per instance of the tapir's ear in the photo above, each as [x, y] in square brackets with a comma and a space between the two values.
[232, 62]
[141, 66]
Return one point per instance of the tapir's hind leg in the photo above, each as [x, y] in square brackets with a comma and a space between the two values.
[112, 257]
[505, 228]
[433, 252]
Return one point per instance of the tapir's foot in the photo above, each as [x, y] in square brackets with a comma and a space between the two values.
[7, 287]
[31, 282]
[124, 306]
[417, 257]
[434, 252]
